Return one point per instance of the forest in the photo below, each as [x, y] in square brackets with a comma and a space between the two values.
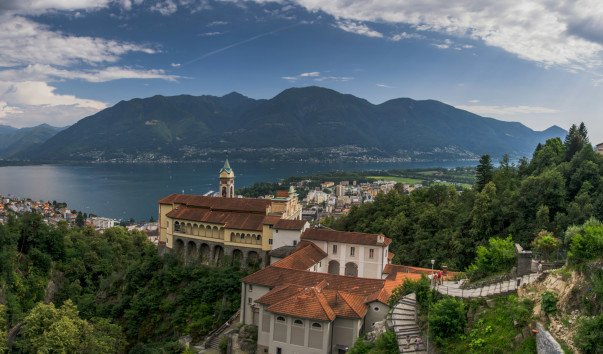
[76, 288]
[558, 187]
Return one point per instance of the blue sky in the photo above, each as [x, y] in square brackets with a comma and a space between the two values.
[533, 61]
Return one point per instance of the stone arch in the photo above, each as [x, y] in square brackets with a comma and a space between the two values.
[178, 247]
[252, 258]
[205, 253]
[218, 255]
[241, 237]
[233, 237]
[189, 228]
[221, 233]
[215, 232]
[258, 239]
[248, 238]
[333, 267]
[177, 226]
[232, 191]
[351, 269]
[191, 251]
[237, 257]
[207, 231]
[195, 230]
[224, 191]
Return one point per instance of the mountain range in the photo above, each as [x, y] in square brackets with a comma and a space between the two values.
[297, 124]
[19, 142]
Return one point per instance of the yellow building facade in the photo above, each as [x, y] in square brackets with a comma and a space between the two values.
[223, 230]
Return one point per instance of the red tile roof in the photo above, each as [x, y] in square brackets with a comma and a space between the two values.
[285, 224]
[308, 303]
[393, 269]
[306, 255]
[231, 220]
[252, 205]
[344, 237]
[282, 194]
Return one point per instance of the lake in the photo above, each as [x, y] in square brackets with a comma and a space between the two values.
[124, 191]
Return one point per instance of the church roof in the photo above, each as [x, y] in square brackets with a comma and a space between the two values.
[226, 167]
[344, 237]
[251, 205]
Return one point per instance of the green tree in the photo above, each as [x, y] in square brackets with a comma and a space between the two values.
[483, 172]
[79, 219]
[546, 243]
[447, 319]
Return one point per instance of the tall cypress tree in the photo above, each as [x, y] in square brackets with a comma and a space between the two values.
[483, 172]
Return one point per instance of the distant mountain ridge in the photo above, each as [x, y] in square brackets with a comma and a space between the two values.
[15, 142]
[297, 124]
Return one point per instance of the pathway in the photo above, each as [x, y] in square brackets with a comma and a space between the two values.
[452, 288]
[403, 320]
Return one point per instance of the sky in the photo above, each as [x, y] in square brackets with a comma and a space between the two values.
[538, 62]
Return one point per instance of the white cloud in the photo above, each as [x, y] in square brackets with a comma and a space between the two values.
[357, 28]
[506, 110]
[383, 85]
[166, 7]
[26, 42]
[474, 101]
[37, 93]
[311, 74]
[5, 109]
[175, 65]
[216, 23]
[316, 76]
[42, 72]
[210, 34]
[35, 102]
[404, 35]
[563, 32]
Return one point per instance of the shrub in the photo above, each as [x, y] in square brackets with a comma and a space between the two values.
[546, 243]
[589, 337]
[447, 319]
[499, 256]
[587, 245]
[549, 302]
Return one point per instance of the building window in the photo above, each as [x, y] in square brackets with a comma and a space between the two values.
[280, 319]
[249, 300]
[279, 351]
[294, 242]
[334, 249]
[270, 241]
[316, 325]
[352, 251]
[376, 308]
[276, 231]
[298, 323]
[371, 253]
[250, 287]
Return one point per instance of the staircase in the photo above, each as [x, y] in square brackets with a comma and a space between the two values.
[403, 320]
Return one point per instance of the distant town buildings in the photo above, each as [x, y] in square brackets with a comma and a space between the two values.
[599, 148]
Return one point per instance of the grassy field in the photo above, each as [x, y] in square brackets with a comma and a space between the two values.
[397, 179]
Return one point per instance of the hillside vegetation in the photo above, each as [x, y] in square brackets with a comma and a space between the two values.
[559, 187]
[108, 291]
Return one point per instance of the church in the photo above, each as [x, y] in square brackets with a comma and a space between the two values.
[227, 229]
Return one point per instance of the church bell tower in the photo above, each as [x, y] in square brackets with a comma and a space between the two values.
[226, 180]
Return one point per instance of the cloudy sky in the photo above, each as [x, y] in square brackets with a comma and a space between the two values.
[539, 62]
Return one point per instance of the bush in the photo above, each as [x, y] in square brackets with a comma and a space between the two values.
[447, 319]
[587, 245]
[499, 256]
[589, 337]
[549, 302]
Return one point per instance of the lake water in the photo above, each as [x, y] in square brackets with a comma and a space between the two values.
[124, 191]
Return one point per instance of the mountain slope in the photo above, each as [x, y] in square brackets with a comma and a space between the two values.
[15, 141]
[313, 120]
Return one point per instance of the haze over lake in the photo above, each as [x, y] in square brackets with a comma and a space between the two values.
[124, 191]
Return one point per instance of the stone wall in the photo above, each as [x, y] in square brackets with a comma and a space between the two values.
[524, 261]
[545, 343]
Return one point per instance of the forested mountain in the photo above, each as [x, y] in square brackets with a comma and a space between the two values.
[311, 120]
[15, 141]
[562, 185]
